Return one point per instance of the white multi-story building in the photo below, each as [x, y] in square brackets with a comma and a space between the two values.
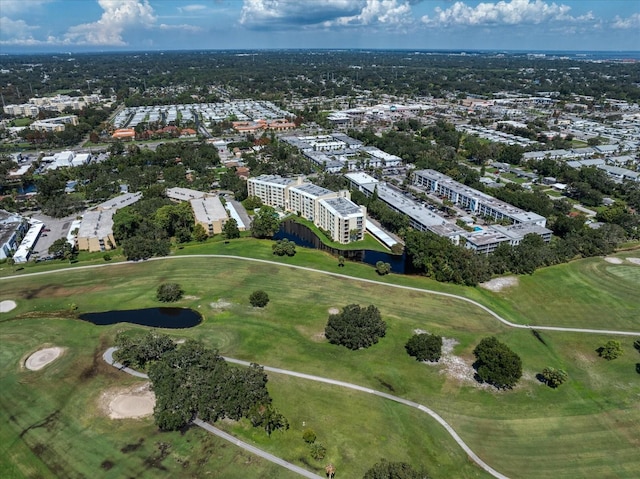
[331, 211]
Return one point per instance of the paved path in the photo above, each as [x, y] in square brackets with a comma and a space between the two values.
[353, 278]
[108, 357]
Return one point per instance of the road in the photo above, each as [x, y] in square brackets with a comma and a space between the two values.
[344, 276]
[108, 357]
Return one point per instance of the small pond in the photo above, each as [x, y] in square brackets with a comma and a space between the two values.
[303, 236]
[171, 318]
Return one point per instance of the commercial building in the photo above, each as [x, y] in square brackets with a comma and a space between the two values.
[13, 228]
[54, 124]
[329, 210]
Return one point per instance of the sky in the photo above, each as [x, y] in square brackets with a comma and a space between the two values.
[149, 25]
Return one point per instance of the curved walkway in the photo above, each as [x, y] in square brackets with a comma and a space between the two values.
[108, 357]
[354, 278]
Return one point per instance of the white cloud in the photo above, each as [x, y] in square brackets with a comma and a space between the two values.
[388, 12]
[514, 12]
[192, 8]
[273, 14]
[625, 23]
[11, 7]
[118, 16]
[184, 27]
[16, 32]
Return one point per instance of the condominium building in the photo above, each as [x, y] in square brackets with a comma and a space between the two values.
[331, 211]
[473, 200]
[209, 212]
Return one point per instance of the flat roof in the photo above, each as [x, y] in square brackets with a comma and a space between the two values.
[311, 189]
[208, 209]
[343, 206]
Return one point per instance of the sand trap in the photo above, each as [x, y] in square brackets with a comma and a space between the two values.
[41, 358]
[220, 304]
[499, 284]
[455, 367]
[630, 260]
[130, 403]
[612, 260]
[7, 305]
[333, 310]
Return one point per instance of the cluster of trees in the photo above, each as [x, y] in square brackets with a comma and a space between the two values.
[497, 364]
[265, 223]
[553, 377]
[355, 327]
[139, 351]
[612, 349]
[192, 381]
[425, 347]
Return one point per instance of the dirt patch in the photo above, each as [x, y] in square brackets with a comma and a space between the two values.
[630, 260]
[41, 358]
[220, 305]
[612, 260]
[59, 291]
[189, 296]
[319, 337]
[130, 403]
[7, 305]
[456, 367]
[333, 310]
[499, 284]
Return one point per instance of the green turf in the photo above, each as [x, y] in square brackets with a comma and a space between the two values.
[588, 426]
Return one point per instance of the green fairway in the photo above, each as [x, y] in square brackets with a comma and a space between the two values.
[588, 427]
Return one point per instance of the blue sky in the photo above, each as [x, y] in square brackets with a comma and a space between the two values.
[112, 25]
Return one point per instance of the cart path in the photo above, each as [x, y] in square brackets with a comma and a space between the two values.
[353, 278]
[108, 357]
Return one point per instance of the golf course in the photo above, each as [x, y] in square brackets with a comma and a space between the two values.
[56, 417]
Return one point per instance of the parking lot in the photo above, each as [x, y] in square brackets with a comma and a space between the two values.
[57, 228]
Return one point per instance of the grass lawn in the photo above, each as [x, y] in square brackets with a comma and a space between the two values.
[588, 427]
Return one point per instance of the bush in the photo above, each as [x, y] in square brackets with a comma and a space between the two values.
[496, 364]
[318, 451]
[394, 470]
[383, 268]
[169, 292]
[355, 327]
[284, 246]
[309, 436]
[554, 377]
[612, 349]
[259, 299]
[636, 345]
[106, 257]
[425, 347]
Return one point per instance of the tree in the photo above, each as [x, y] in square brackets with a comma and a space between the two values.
[425, 347]
[553, 377]
[265, 223]
[394, 470]
[496, 364]
[383, 268]
[259, 299]
[341, 261]
[636, 345]
[268, 418]
[199, 233]
[284, 247]
[169, 292]
[230, 229]
[309, 436]
[61, 248]
[355, 327]
[612, 349]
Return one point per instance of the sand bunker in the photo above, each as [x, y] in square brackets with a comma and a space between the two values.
[41, 358]
[7, 305]
[498, 284]
[333, 310]
[630, 260]
[612, 260]
[130, 403]
[220, 304]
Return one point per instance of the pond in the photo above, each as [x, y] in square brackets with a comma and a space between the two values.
[171, 318]
[304, 236]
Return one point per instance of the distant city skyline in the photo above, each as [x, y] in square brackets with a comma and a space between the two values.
[28, 26]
